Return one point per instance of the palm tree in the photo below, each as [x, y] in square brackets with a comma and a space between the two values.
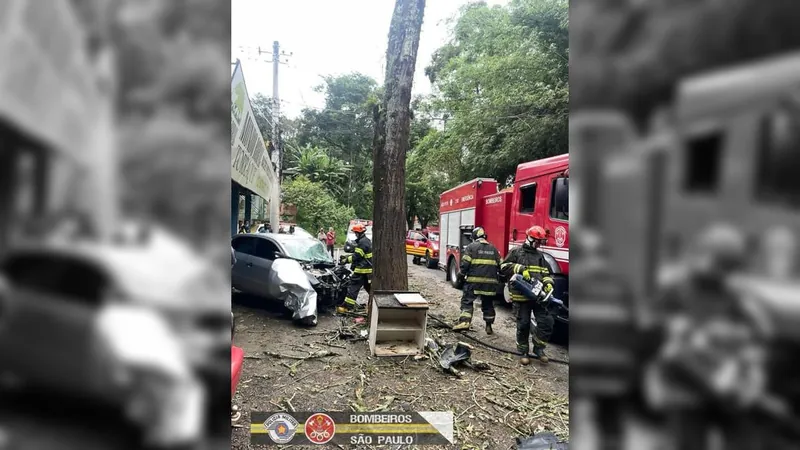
[315, 164]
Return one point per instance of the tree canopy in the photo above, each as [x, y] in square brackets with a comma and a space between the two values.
[501, 88]
[500, 97]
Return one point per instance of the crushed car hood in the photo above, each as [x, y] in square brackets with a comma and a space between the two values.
[290, 283]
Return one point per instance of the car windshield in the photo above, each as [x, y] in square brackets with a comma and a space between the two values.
[433, 237]
[307, 250]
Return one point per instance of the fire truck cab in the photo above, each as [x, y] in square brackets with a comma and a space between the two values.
[539, 196]
[728, 153]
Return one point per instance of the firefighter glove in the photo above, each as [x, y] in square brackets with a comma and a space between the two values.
[526, 275]
[548, 288]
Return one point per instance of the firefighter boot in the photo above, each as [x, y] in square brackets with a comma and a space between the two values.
[462, 325]
[489, 329]
[538, 352]
[524, 360]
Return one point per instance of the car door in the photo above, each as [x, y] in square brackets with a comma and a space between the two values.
[262, 260]
[48, 337]
[409, 242]
[242, 277]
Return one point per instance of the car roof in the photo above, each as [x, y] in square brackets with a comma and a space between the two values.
[274, 236]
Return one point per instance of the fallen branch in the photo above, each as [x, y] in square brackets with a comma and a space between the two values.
[319, 354]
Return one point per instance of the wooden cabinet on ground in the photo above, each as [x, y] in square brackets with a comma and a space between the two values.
[397, 323]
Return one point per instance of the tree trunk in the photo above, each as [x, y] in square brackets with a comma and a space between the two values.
[393, 123]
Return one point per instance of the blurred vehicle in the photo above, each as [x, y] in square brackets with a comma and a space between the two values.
[135, 323]
[352, 236]
[539, 196]
[288, 268]
[421, 246]
[727, 155]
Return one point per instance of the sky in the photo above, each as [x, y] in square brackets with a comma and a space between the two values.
[326, 37]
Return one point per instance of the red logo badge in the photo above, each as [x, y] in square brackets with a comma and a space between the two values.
[320, 428]
[416, 244]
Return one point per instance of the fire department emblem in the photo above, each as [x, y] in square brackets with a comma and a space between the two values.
[320, 428]
[416, 244]
[561, 236]
[281, 428]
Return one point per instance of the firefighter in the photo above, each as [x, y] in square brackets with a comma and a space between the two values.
[361, 265]
[529, 262]
[700, 302]
[602, 390]
[480, 266]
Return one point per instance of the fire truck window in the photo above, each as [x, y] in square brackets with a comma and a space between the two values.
[556, 212]
[776, 177]
[703, 162]
[527, 199]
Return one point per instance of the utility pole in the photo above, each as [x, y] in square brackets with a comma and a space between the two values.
[276, 61]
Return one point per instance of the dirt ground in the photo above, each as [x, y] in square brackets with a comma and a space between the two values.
[492, 407]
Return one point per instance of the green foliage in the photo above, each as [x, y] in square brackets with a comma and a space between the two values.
[316, 207]
[343, 130]
[503, 91]
[319, 167]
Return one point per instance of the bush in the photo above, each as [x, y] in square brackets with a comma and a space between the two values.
[316, 208]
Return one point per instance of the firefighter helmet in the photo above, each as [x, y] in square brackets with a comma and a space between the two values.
[359, 228]
[723, 246]
[349, 247]
[478, 233]
[535, 235]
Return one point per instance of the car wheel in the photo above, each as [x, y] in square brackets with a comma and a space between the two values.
[431, 263]
[560, 332]
[453, 271]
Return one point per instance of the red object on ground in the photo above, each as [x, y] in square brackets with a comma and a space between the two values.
[237, 359]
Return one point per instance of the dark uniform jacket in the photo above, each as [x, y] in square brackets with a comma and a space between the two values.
[361, 259]
[525, 258]
[480, 265]
[606, 339]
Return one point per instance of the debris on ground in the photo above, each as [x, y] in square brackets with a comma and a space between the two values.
[541, 441]
[491, 402]
[452, 355]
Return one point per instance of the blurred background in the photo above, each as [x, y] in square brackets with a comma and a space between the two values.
[114, 205]
[684, 143]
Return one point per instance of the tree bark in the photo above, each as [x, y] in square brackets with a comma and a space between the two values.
[392, 127]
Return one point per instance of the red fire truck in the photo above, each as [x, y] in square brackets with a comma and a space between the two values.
[539, 196]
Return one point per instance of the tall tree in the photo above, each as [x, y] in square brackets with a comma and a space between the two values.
[390, 144]
[502, 87]
[344, 128]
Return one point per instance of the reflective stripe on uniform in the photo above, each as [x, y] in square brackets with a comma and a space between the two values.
[362, 270]
[518, 297]
[360, 251]
[485, 293]
[482, 280]
[547, 280]
[486, 262]
[368, 256]
[466, 314]
[538, 269]
[467, 258]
